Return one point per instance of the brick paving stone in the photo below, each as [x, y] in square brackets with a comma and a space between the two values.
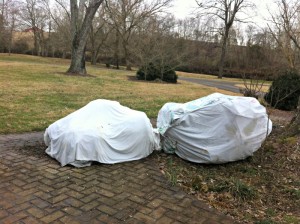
[72, 211]
[40, 203]
[89, 206]
[178, 216]
[73, 202]
[52, 217]
[19, 208]
[125, 214]
[107, 209]
[14, 218]
[155, 203]
[89, 197]
[31, 220]
[158, 213]
[106, 193]
[36, 212]
[69, 219]
[137, 199]
[36, 189]
[145, 210]
[108, 219]
[59, 198]
[3, 214]
[165, 220]
[75, 194]
[144, 218]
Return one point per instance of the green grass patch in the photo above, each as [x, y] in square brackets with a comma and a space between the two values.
[35, 92]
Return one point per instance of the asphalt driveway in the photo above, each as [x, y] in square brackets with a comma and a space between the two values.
[229, 86]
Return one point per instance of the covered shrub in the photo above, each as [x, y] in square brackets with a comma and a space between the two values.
[151, 72]
[284, 91]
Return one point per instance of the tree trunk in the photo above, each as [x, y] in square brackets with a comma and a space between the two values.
[36, 50]
[80, 35]
[10, 43]
[93, 57]
[78, 61]
[223, 53]
[116, 54]
[126, 56]
[93, 46]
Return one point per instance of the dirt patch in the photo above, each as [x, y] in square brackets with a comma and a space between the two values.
[280, 117]
[35, 149]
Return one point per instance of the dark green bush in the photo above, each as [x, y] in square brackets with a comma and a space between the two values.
[284, 91]
[152, 72]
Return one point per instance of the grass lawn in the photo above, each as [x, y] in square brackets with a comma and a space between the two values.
[35, 91]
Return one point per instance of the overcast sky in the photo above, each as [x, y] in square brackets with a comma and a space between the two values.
[184, 8]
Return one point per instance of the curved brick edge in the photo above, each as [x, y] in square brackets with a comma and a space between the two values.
[38, 190]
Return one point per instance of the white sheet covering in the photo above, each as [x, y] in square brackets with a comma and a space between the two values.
[102, 131]
[214, 129]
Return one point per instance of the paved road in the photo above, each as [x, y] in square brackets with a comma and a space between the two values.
[35, 189]
[229, 86]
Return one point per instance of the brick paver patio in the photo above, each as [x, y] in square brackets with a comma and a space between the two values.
[36, 189]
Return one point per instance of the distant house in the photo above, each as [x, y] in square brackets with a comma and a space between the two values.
[32, 29]
[24, 36]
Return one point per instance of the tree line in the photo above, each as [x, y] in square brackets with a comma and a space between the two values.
[136, 33]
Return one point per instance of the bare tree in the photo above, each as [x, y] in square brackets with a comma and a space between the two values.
[285, 28]
[100, 31]
[226, 11]
[82, 15]
[126, 15]
[158, 45]
[12, 19]
[8, 21]
[60, 19]
[3, 21]
[34, 18]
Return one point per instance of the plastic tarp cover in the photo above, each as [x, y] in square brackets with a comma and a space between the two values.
[214, 129]
[102, 131]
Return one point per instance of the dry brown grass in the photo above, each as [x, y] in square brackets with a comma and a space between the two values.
[208, 77]
[35, 91]
[265, 87]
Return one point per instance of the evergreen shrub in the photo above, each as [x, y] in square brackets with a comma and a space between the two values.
[284, 91]
[151, 72]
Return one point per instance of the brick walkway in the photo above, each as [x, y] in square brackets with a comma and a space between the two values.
[35, 189]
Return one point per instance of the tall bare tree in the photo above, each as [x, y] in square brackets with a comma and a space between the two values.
[126, 15]
[159, 46]
[3, 21]
[100, 31]
[82, 15]
[285, 28]
[34, 18]
[226, 11]
[60, 23]
[9, 13]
